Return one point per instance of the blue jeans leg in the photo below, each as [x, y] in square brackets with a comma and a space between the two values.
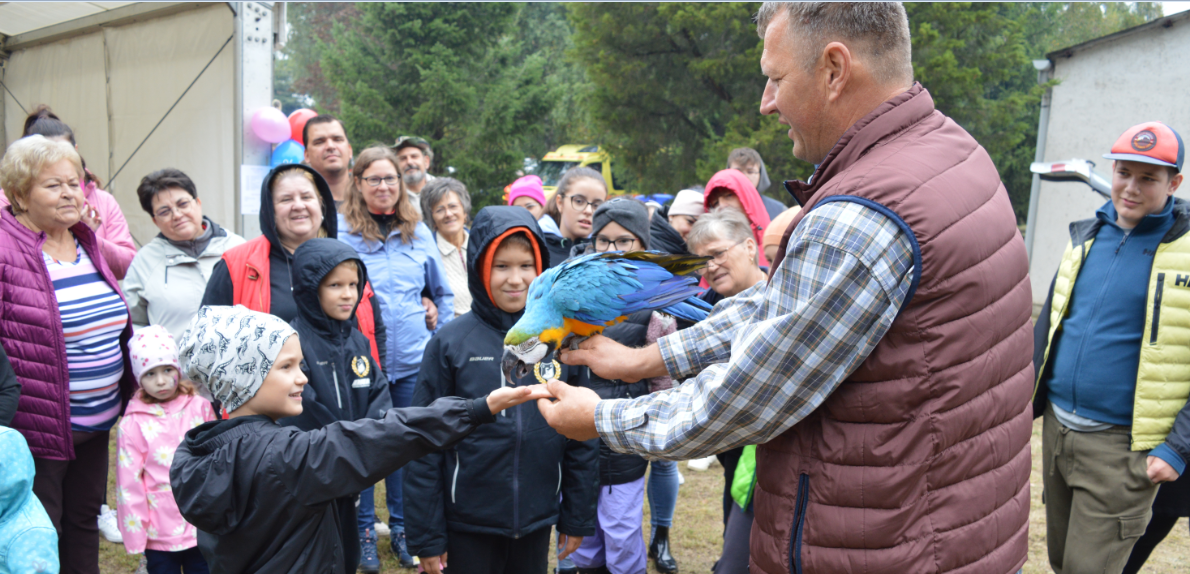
[402, 394]
[663, 492]
[367, 509]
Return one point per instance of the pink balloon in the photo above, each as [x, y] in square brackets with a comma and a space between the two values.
[270, 125]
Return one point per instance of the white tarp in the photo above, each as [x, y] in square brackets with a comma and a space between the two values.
[112, 86]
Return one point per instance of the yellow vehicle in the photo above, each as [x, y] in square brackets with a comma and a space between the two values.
[553, 166]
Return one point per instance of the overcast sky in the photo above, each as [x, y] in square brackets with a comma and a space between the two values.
[1174, 7]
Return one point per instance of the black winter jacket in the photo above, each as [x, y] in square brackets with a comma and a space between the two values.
[506, 477]
[560, 247]
[345, 383]
[281, 264]
[615, 467]
[10, 390]
[264, 497]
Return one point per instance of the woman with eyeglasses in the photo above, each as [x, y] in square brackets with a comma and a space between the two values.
[726, 237]
[446, 206]
[403, 261]
[580, 192]
[167, 278]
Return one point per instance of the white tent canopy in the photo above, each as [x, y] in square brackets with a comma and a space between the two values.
[145, 86]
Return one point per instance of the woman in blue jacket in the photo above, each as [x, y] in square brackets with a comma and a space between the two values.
[382, 225]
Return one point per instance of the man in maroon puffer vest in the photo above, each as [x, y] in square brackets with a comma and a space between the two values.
[885, 368]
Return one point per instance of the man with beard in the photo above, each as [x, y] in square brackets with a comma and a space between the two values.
[329, 153]
[413, 161]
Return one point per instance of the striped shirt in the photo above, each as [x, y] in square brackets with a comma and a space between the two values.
[766, 358]
[93, 317]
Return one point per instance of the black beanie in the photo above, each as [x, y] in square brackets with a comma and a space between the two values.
[630, 213]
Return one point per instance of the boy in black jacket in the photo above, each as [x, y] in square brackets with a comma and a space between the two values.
[345, 383]
[265, 497]
[490, 500]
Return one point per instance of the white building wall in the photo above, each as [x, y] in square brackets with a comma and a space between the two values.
[113, 85]
[1104, 90]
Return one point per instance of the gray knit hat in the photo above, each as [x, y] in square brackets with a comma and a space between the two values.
[630, 213]
[230, 350]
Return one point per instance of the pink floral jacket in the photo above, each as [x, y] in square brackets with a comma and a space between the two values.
[147, 438]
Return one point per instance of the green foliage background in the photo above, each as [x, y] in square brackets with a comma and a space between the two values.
[668, 88]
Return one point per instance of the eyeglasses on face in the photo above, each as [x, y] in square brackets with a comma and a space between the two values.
[720, 257]
[375, 180]
[580, 203]
[622, 244]
[181, 207]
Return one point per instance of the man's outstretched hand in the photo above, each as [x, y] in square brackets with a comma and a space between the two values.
[611, 360]
[572, 412]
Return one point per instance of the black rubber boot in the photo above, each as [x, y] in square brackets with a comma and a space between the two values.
[659, 551]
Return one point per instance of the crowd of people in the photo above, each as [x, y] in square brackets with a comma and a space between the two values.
[864, 378]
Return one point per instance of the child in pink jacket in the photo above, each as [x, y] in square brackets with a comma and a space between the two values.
[153, 426]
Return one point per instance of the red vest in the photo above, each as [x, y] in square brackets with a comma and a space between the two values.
[919, 461]
[248, 265]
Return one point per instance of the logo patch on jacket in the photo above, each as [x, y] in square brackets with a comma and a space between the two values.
[360, 366]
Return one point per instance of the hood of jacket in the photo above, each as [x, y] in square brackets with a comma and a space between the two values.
[491, 223]
[16, 475]
[313, 261]
[663, 236]
[754, 208]
[268, 217]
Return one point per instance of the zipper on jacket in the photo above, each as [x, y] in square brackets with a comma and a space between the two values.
[516, 486]
[559, 490]
[1156, 308]
[455, 480]
[799, 522]
[335, 375]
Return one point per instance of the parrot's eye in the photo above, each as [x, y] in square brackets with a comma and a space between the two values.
[527, 346]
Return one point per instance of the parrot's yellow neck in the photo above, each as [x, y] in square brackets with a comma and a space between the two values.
[577, 327]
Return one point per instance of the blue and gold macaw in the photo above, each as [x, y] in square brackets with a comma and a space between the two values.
[578, 299]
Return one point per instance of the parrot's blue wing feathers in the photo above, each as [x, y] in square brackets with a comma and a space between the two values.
[692, 309]
[598, 288]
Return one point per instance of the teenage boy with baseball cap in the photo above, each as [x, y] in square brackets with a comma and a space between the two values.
[1112, 354]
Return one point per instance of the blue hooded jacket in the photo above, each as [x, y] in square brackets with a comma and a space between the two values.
[28, 541]
[399, 272]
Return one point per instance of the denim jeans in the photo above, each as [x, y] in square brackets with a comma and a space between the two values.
[402, 393]
[663, 492]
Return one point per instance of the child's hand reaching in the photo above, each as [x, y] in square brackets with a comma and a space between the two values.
[506, 397]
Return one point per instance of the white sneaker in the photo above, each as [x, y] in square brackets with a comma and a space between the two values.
[108, 525]
[382, 530]
[681, 479]
[700, 464]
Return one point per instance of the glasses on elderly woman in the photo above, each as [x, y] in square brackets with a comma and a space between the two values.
[720, 257]
[181, 207]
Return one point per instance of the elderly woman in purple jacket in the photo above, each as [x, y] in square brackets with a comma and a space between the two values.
[65, 328]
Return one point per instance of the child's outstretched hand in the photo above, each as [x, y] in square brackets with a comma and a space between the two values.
[506, 397]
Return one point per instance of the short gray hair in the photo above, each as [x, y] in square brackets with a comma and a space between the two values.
[878, 31]
[725, 224]
[436, 191]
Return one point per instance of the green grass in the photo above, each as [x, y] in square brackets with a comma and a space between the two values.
[698, 526]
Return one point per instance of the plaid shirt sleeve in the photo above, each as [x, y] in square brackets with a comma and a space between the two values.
[843, 280]
[689, 351]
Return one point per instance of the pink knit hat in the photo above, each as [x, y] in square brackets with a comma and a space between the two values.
[150, 347]
[529, 185]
